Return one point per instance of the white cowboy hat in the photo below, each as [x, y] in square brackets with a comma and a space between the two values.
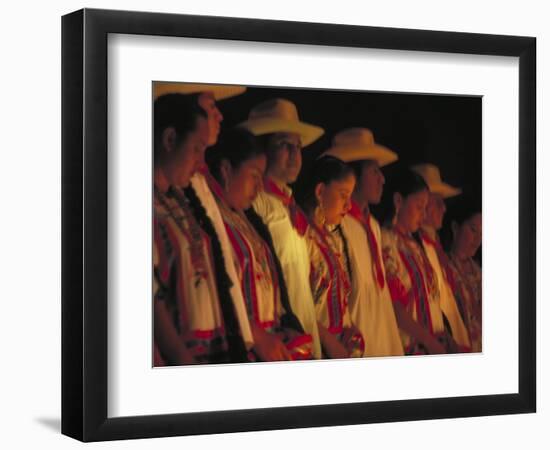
[220, 91]
[432, 177]
[280, 116]
[357, 144]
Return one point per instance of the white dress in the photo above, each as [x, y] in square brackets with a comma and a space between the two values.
[370, 304]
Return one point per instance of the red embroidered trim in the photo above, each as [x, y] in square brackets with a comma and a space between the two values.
[373, 245]
[297, 216]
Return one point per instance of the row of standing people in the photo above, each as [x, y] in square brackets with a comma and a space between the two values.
[244, 271]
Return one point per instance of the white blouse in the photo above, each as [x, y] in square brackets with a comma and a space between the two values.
[291, 249]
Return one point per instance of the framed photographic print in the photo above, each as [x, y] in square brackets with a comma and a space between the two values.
[274, 225]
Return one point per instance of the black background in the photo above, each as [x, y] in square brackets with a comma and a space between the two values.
[444, 130]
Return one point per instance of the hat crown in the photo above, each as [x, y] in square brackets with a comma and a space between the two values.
[358, 144]
[359, 137]
[432, 177]
[279, 115]
[277, 108]
[219, 91]
[429, 172]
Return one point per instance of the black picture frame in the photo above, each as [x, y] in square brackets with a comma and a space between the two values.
[84, 224]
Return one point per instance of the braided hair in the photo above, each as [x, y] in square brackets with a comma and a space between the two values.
[289, 319]
[237, 349]
[346, 250]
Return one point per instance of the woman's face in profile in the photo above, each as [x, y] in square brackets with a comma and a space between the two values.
[468, 236]
[335, 198]
[411, 210]
[245, 182]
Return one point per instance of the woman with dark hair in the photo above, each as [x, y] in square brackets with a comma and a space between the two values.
[466, 240]
[238, 164]
[410, 277]
[193, 321]
[326, 198]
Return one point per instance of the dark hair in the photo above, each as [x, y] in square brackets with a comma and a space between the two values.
[405, 182]
[178, 111]
[325, 170]
[235, 145]
[289, 319]
[358, 166]
[464, 208]
[264, 140]
[346, 250]
[459, 211]
[237, 349]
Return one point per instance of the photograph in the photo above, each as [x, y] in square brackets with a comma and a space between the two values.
[294, 224]
[272, 224]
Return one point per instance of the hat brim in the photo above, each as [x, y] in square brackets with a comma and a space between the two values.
[347, 153]
[219, 91]
[444, 189]
[261, 126]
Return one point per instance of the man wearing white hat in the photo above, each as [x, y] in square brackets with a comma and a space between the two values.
[433, 221]
[207, 96]
[283, 136]
[370, 303]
